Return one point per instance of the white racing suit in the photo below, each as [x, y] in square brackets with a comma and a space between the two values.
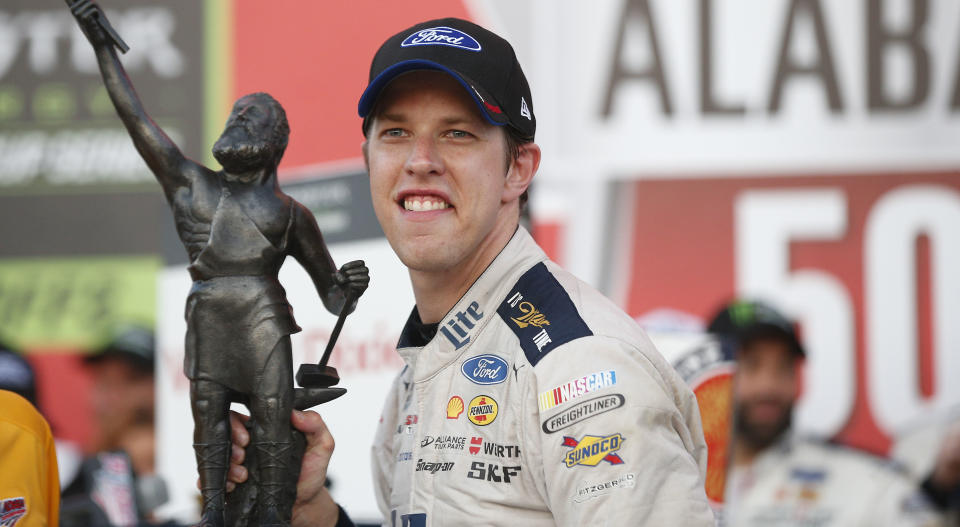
[801, 482]
[537, 402]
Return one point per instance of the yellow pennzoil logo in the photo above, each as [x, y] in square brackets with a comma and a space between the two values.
[482, 410]
[591, 450]
[531, 316]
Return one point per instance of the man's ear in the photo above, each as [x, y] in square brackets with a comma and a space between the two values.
[521, 172]
[366, 155]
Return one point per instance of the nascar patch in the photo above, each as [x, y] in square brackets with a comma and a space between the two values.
[576, 388]
[591, 450]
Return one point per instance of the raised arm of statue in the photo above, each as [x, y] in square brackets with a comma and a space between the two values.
[306, 245]
[162, 156]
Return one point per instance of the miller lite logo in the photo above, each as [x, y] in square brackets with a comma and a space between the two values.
[531, 315]
[442, 36]
[11, 510]
[485, 369]
[457, 327]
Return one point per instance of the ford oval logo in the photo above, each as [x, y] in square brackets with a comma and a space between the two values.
[485, 369]
[442, 36]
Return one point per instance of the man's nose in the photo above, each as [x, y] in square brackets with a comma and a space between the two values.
[424, 159]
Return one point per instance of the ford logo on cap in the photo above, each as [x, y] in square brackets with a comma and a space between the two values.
[485, 369]
[441, 36]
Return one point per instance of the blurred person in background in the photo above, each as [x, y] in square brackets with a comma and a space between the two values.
[778, 479]
[29, 484]
[123, 394]
[116, 484]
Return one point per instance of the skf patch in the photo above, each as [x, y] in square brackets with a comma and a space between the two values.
[482, 410]
[541, 314]
[11, 510]
[576, 388]
[454, 407]
[591, 450]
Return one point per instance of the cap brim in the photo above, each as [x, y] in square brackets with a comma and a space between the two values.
[129, 357]
[370, 95]
[764, 330]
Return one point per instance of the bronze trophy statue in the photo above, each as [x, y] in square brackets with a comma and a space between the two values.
[238, 227]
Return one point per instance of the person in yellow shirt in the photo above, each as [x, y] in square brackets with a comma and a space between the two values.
[29, 486]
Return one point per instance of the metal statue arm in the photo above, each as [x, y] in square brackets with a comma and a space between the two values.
[307, 246]
[161, 154]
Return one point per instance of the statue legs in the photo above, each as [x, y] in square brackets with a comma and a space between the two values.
[211, 437]
[270, 407]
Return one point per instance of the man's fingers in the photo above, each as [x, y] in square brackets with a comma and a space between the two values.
[237, 474]
[238, 432]
[310, 423]
[237, 454]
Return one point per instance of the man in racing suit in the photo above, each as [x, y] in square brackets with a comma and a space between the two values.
[778, 480]
[527, 397]
[537, 402]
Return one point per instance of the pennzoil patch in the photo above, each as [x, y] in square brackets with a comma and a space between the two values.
[541, 314]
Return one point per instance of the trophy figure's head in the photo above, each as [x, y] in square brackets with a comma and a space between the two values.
[254, 137]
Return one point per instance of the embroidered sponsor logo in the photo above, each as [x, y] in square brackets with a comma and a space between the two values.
[490, 472]
[457, 327]
[493, 449]
[485, 369]
[482, 410]
[591, 450]
[404, 456]
[407, 424]
[576, 388]
[11, 510]
[531, 315]
[434, 466]
[443, 36]
[444, 442]
[582, 411]
[588, 492]
[454, 407]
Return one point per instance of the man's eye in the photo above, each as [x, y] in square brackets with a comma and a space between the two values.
[393, 132]
[459, 134]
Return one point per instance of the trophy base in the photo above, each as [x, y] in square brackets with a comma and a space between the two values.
[313, 376]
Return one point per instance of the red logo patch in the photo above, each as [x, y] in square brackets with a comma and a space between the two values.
[475, 441]
[11, 510]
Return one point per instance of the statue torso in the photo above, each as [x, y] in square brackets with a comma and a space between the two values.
[230, 228]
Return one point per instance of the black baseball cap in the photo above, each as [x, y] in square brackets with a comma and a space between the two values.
[484, 63]
[744, 320]
[16, 374]
[131, 343]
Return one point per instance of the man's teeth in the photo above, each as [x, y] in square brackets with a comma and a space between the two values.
[423, 205]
